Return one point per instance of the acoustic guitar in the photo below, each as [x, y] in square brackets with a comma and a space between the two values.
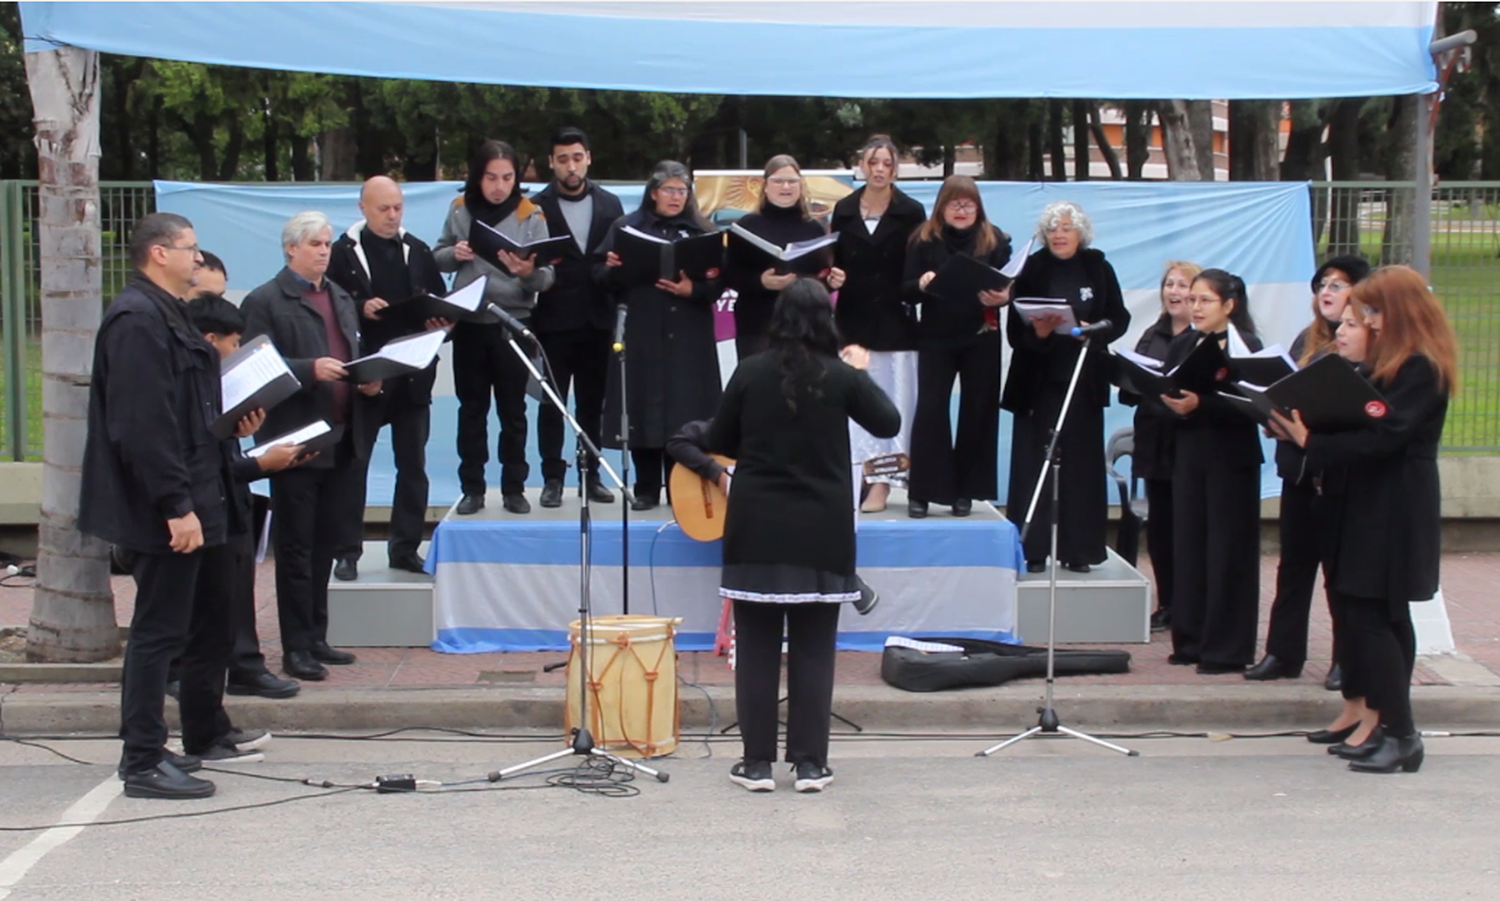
[700, 505]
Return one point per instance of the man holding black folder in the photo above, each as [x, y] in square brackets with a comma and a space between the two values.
[573, 317]
[380, 263]
[315, 325]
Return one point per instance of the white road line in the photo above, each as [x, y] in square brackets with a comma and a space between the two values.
[87, 809]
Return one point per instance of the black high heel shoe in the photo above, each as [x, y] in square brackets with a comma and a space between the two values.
[1405, 754]
[1335, 737]
[1360, 751]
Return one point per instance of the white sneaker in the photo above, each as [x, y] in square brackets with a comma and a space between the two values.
[227, 753]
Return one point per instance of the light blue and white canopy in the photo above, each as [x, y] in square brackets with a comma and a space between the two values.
[873, 48]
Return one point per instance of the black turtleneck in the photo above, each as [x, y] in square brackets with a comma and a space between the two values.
[742, 272]
[947, 322]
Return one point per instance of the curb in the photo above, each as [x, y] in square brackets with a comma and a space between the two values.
[878, 708]
[19, 673]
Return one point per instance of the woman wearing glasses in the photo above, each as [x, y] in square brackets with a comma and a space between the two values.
[673, 360]
[1044, 355]
[782, 219]
[1301, 528]
[956, 337]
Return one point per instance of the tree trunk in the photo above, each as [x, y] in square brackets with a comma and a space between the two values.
[338, 154]
[229, 166]
[1096, 128]
[1036, 161]
[1343, 153]
[1179, 142]
[1080, 119]
[950, 158]
[1200, 115]
[72, 609]
[1137, 138]
[1304, 157]
[301, 164]
[153, 139]
[1401, 165]
[271, 146]
[1254, 129]
[1055, 144]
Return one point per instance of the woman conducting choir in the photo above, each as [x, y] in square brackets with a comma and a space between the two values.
[874, 225]
[956, 337]
[1216, 498]
[782, 218]
[1387, 529]
[1300, 527]
[672, 360]
[1067, 268]
[1154, 434]
[789, 551]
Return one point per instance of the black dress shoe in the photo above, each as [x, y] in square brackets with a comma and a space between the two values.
[187, 763]
[1273, 667]
[1036, 566]
[469, 504]
[301, 665]
[1361, 750]
[916, 509]
[1335, 737]
[322, 653]
[1161, 620]
[1404, 754]
[1077, 567]
[868, 597]
[516, 503]
[1182, 660]
[262, 685]
[599, 494]
[646, 501]
[1334, 681]
[1209, 668]
[346, 569]
[411, 562]
[963, 507]
[552, 493]
[166, 781]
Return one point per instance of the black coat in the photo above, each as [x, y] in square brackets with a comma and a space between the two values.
[279, 310]
[671, 356]
[575, 300]
[742, 271]
[1155, 423]
[1388, 543]
[1289, 456]
[793, 493]
[149, 456]
[1032, 364]
[871, 311]
[946, 322]
[1216, 435]
[348, 268]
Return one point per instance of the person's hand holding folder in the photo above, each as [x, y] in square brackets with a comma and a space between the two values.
[995, 298]
[369, 389]
[520, 267]
[1046, 324]
[373, 306]
[463, 252]
[1289, 429]
[773, 282]
[250, 424]
[1183, 405]
[682, 288]
[328, 369]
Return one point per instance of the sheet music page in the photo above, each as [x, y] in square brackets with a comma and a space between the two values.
[1018, 261]
[802, 248]
[416, 351]
[1147, 363]
[1034, 307]
[640, 234]
[251, 374]
[471, 296]
[930, 647]
[301, 436]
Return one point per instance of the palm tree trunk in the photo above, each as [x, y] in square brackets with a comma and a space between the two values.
[72, 611]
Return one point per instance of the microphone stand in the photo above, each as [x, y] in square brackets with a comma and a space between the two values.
[1048, 723]
[583, 742]
[619, 348]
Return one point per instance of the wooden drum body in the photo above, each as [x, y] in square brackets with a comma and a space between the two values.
[631, 666]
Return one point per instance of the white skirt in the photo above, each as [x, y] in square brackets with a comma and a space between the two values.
[895, 371]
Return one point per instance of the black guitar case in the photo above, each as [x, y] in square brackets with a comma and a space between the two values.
[988, 663]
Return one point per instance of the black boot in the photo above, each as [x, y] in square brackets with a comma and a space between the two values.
[1273, 667]
[1405, 754]
[1334, 681]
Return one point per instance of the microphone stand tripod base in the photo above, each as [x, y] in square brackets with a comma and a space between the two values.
[582, 746]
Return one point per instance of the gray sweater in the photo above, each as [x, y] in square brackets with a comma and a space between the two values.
[515, 296]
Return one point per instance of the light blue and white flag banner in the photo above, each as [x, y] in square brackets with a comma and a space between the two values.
[1260, 231]
[890, 48]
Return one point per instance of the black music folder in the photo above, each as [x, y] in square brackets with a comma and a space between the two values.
[403, 356]
[646, 258]
[800, 257]
[1204, 370]
[962, 277]
[464, 305]
[255, 377]
[1264, 367]
[487, 241]
[313, 437]
[1330, 394]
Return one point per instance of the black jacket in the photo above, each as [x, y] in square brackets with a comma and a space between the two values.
[1288, 455]
[946, 322]
[1389, 538]
[349, 269]
[279, 309]
[149, 456]
[753, 301]
[1215, 436]
[1031, 363]
[871, 312]
[1154, 420]
[574, 301]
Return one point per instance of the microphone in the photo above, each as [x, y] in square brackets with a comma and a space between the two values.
[511, 322]
[620, 312]
[1092, 328]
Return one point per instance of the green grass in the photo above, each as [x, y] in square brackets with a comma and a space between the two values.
[31, 367]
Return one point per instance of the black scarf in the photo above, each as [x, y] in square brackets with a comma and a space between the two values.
[960, 240]
[491, 214]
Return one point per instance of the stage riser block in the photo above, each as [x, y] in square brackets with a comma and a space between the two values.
[1110, 605]
[383, 609]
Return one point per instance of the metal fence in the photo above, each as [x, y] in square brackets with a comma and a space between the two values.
[1371, 218]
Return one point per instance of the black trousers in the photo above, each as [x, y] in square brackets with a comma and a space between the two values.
[1379, 650]
[579, 358]
[1159, 538]
[1216, 581]
[309, 507]
[1082, 494]
[653, 469]
[944, 467]
[485, 364]
[811, 632]
[411, 422]
[1302, 535]
[246, 662]
[182, 606]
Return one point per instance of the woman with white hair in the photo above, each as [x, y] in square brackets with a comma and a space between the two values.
[1041, 365]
